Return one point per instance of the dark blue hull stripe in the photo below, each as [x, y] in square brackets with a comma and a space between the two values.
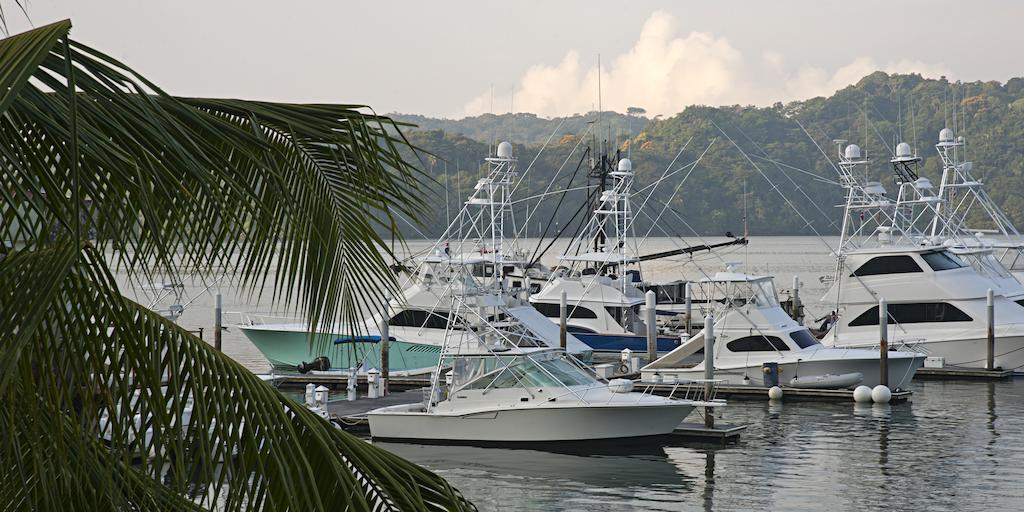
[618, 342]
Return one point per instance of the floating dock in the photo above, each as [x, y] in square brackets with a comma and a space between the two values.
[338, 381]
[953, 373]
[400, 385]
[720, 434]
[742, 392]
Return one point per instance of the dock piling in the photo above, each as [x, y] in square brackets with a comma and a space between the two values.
[796, 314]
[689, 308]
[883, 344]
[563, 314]
[218, 322]
[709, 368]
[385, 362]
[652, 326]
[990, 353]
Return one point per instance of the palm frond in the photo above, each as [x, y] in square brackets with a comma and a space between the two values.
[104, 404]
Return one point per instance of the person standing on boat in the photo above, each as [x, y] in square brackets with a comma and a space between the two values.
[827, 321]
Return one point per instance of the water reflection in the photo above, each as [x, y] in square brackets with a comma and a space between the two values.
[709, 481]
[589, 474]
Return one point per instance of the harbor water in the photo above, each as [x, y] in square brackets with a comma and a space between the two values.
[953, 445]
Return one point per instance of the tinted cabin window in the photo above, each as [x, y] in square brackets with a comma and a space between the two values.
[483, 270]
[757, 344]
[921, 312]
[579, 330]
[941, 260]
[887, 265]
[616, 313]
[554, 310]
[417, 318]
[1020, 302]
[803, 338]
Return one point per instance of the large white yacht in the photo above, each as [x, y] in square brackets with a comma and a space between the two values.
[474, 254]
[936, 301]
[757, 343]
[504, 387]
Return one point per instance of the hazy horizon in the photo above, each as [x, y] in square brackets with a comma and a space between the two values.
[442, 59]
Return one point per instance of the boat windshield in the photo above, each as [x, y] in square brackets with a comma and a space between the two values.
[804, 339]
[986, 264]
[942, 260]
[764, 293]
[549, 369]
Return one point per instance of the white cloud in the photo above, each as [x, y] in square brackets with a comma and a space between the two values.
[665, 71]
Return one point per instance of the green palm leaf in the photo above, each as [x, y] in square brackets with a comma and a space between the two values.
[104, 403]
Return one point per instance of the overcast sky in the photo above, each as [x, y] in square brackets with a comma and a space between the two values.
[441, 58]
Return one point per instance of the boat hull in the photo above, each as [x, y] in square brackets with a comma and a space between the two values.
[286, 349]
[969, 352]
[529, 425]
[901, 371]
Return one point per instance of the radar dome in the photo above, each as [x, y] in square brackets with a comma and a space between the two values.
[852, 152]
[903, 150]
[625, 165]
[946, 135]
[505, 150]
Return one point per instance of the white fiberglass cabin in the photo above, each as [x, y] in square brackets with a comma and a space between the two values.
[757, 343]
[501, 389]
[936, 303]
[603, 311]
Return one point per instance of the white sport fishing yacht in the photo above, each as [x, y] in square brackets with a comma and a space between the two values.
[757, 343]
[936, 301]
[504, 387]
[480, 258]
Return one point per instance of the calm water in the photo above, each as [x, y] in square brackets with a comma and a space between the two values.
[953, 446]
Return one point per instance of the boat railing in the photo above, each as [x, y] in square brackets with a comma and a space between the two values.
[919, 345]
[249, 318]
[694, 390]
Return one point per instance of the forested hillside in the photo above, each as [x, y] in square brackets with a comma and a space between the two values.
[780, 167]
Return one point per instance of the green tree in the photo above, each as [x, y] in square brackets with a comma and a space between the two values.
[103, 170]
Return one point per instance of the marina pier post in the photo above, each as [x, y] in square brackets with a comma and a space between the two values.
[990, 352]
[218, 322]
[385, 364]
[883, 343]
[689, 308]
[652, 327]
[709, 368]
[796, 302]
[563, 314]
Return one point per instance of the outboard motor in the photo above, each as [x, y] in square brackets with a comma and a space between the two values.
[771, 374]
[321, 364]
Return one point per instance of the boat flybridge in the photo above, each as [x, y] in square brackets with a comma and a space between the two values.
[936, 301]
[757, 343]
[962, 193]
[473, 256]
[506, 386]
